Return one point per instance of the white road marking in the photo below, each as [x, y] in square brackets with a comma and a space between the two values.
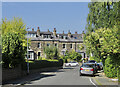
[92, 82]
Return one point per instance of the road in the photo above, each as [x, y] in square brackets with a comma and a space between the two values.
[65, 76]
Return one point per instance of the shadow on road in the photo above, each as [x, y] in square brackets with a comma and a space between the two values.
[33, 77]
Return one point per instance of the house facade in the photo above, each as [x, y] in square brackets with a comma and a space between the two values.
[63, 42]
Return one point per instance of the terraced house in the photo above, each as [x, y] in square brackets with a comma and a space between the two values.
[63, 42]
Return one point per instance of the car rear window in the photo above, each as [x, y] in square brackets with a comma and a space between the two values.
[88, 65]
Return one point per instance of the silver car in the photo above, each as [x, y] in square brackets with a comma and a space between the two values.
[88, 68]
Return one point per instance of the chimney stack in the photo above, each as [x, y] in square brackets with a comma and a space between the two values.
[32, 29]
[69, 34]
[63, 32]
[38, 31]
[48, 30]
[76, 32]
[54, 32]
[83, 34]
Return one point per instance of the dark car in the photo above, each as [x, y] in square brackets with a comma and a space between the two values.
[91, 61]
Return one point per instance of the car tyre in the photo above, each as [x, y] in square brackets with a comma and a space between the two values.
[80, 74]
[69, 65]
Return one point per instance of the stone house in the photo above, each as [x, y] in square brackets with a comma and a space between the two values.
[62, 41]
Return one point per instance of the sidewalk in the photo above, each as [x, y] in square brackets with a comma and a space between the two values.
[101, 79]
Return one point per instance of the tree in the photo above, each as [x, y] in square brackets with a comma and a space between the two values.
[101, 15]
[73, 55]
[17, 26]
[51, 52]
[102, 32]
[13, 42]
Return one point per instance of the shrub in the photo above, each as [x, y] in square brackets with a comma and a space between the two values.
[110, 69]
[37, 64]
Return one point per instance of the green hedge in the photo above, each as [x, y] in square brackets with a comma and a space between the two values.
[110, 69]
[37, 64]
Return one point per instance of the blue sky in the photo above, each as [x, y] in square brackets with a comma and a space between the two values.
[47, 15]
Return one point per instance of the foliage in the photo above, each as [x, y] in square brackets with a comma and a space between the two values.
[39, 58]
[73, 55]
[103, 34]
[110, 68]
[38, 64]
[17, 26]
[50, 59]
[103, 15]
[13, 42]
[51, 52]
[13, 53]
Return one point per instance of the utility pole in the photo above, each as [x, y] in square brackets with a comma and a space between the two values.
[27, 54]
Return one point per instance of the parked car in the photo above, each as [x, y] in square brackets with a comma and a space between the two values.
[88, 68]
[100, 65]
[91, 61]
[72, 63]
[96, 65]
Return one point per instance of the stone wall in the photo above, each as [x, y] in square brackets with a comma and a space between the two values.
[34, 44]
[8, 74]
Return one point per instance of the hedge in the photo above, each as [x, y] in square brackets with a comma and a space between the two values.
[37, 64]
[110, 69]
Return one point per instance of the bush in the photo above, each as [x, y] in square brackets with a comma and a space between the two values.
[37, 64]
[110, 69]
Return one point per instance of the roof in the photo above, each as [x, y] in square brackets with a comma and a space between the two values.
[35, 32]
[65, 38]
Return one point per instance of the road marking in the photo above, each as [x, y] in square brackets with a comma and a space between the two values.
[92, 82]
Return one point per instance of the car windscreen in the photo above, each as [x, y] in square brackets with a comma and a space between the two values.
[88, 65]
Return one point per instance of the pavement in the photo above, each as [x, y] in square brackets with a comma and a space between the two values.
[102, 80]
[22, 80]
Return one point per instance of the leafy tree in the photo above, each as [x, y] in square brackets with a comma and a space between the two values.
[73, 55]
[103, 34]
[103, 15]
[13, 51]
[13, 42]
[51, 52]
[17, 26]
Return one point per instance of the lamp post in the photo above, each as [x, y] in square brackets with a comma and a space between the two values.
[27, 54]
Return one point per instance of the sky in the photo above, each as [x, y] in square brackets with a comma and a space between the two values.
[63, 16]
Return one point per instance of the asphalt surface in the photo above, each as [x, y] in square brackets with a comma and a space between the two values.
[65, 76]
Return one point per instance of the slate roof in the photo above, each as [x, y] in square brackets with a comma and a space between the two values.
[74, 37]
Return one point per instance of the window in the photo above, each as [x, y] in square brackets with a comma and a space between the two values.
[30, 55]
[70, 45]
[62, 37]
[63, 45]
[75, 37]
[38, 45]
[38, 54]
[48, 44]
[55, 44]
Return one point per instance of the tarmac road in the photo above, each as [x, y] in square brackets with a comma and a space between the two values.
[65, 76]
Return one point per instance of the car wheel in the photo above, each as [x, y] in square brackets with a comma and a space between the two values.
[93, 75]
[69, 65]
[80, 74]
